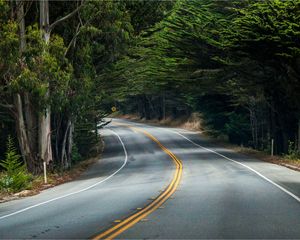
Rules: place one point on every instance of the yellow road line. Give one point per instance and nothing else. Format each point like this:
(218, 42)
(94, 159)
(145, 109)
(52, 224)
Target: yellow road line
(136, 217)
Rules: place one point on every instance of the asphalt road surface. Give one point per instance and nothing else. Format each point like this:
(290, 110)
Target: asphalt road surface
(155, 182)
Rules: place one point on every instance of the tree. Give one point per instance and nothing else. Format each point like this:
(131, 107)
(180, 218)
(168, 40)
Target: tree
(249, 69)
(16, 176)
(36, 67)
(268, 33)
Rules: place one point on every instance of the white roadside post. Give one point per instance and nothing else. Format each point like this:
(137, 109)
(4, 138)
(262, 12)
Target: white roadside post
(272, 147)
(45, 172)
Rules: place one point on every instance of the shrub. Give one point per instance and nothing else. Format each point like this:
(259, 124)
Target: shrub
(293, 153)
(76, 157)
(238, 129)
(15, 177)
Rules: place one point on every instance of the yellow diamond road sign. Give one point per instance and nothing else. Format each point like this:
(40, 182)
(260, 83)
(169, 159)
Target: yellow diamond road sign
(114, 109)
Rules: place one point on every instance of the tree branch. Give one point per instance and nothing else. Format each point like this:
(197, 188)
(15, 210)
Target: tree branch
(51, 27)
(6, 105)
(78, 30)
(10, 108)
(73, 39)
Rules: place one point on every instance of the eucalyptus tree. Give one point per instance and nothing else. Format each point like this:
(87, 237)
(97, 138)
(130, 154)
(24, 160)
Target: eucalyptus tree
(36, 75)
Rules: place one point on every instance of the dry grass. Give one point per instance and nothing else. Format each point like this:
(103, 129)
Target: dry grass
(192, 122)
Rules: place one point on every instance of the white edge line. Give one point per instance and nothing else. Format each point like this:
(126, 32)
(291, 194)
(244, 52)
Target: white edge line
(79, 191)
(251, 169)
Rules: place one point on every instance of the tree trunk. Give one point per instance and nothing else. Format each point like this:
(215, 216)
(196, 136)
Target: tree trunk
(23, 116)
(57, 137)
(22, 135)
(63, 157)
(151, 108)
(252, 125)
(31, 122)
(298, 145)
(140, 107)
(164, 105)
(284, 144)
(273, 128)
(145, 107)
(70, 144)
(45, 149)
(21, 21)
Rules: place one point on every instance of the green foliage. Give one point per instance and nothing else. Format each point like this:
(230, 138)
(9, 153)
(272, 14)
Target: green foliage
(15, 177)
(267, 32)
(145, 14)
(42, 67)
(271, 28)
(9, 53)
(85, 136)
(237, 128)
(3, 9)
(76, 157)
(231, 60)
(293, 152)
(236, 62)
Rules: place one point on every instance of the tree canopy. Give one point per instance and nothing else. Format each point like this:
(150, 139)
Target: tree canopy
(63, 65)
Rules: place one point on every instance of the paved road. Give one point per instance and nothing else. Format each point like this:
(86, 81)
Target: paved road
(221, 194)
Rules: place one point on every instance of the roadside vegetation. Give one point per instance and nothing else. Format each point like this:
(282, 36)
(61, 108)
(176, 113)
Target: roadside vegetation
(16, 181)
(52, 59)
(64, 65)
(15, 176)
(236, 63)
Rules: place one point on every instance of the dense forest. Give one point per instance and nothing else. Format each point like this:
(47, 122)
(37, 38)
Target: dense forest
(235, 62)
(64, 64)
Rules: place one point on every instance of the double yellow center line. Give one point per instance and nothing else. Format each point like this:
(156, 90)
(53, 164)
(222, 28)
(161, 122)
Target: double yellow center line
(128, 222)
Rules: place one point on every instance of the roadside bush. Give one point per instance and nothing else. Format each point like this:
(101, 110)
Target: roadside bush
(237, 128)
(293, 153)
(15, 177)
(76, 157)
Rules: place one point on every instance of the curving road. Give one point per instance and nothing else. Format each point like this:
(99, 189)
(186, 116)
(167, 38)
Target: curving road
(154, 182)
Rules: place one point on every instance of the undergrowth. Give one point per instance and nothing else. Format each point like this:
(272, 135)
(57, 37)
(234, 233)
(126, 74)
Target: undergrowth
(15, 176)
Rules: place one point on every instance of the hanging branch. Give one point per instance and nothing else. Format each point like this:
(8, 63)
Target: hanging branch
(51, 27)
(6, 105)
(73, 39)
(78, 30)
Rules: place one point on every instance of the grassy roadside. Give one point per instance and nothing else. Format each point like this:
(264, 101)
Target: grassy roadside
(194, 124)
(55, 178)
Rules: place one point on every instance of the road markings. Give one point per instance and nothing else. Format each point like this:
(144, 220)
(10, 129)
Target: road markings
(244, 165)
(116, 230)
(79, 191)
(297, 198)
